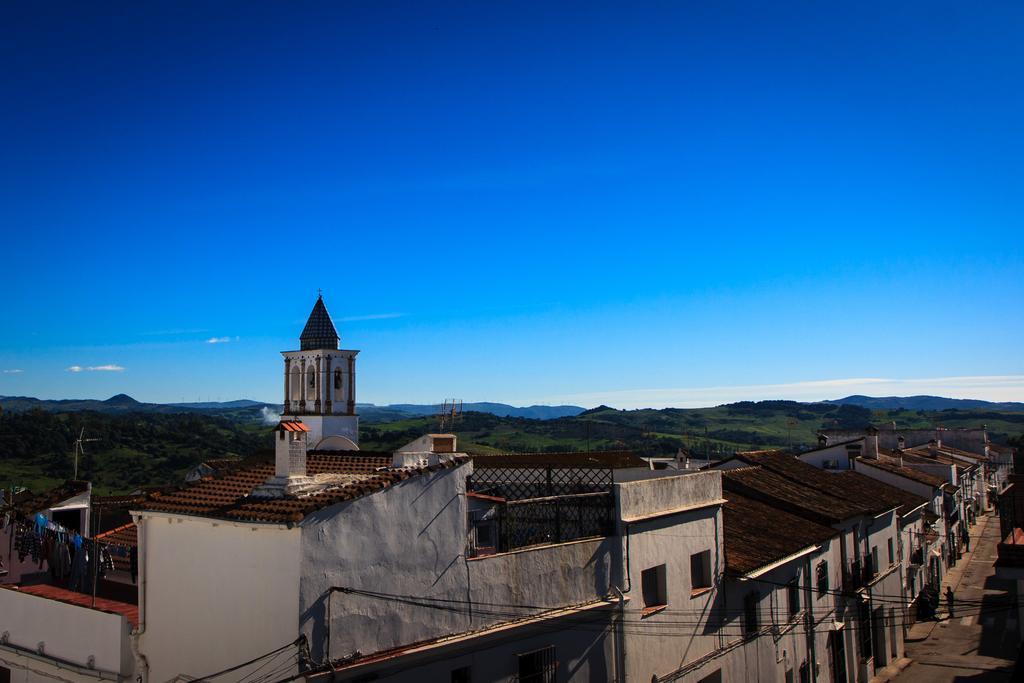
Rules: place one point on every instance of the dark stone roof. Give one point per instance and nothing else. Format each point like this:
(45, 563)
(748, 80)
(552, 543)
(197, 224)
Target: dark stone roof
(906, 472)
(319, 332)
(788, 495)
(757, 534)
(850, 491)
(791, 467)
(862, 486)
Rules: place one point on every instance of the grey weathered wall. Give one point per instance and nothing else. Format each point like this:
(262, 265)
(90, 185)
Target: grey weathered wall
(411, 540)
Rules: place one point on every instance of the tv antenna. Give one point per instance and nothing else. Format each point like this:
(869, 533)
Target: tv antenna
(790, 423)
(451, 410)
(79, 449)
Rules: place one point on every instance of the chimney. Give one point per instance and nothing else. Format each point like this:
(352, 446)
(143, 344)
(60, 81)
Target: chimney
(290, 444)
(871, 443)
(290, 449)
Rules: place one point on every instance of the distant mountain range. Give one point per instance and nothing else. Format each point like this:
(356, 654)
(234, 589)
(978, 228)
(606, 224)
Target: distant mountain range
(122, 403)
(925, 403)
(534, 412)
(249, 410)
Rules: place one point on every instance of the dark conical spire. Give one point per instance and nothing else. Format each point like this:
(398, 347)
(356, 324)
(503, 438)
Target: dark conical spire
(319, 332)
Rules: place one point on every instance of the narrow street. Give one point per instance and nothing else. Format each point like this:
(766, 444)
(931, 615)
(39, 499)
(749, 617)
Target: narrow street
(979, 643)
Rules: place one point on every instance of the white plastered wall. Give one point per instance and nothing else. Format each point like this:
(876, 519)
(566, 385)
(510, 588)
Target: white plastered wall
(216, 593)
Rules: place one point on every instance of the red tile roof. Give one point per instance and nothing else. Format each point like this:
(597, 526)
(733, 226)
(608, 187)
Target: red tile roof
(291, 426)
(227, 495)
(130, 612)
(757, 534)
(123, 535)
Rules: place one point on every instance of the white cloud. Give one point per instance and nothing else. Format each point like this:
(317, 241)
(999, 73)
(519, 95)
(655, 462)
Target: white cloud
(986, 387)
(270, 417)
(106, 368)
(220, 340)
(96, 368)
(371, 316)
(13, 371)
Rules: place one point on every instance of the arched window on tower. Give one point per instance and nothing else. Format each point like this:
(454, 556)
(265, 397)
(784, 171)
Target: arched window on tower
(339, 379)
(310, 384)
(295, 384)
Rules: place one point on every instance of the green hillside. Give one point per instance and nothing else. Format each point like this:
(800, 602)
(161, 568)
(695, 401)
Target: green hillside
(715, 431)
(144, 449)
(130, 450)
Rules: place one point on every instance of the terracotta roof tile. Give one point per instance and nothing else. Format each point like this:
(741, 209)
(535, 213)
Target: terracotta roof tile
(227, 495)
(123, 535)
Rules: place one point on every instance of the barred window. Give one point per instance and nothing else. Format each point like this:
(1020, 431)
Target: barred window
(538, 666)
(822, 578)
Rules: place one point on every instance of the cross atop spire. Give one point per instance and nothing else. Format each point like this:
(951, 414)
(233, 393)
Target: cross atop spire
(319, 332)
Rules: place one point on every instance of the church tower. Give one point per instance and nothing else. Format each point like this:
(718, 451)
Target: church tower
(320, 384)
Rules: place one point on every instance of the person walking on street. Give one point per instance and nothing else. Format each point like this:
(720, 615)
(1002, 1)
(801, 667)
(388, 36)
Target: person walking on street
(967, 542)
(949, 600)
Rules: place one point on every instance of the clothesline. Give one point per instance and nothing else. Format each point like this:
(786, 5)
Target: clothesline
(68, 555)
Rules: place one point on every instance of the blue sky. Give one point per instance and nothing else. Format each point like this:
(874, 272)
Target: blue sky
(660, 203)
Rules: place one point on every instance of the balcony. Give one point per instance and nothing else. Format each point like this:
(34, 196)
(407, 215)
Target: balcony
(856, 576)
(519, 507)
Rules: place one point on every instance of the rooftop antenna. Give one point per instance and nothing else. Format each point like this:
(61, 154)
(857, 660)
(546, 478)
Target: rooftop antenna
(79, 449)
(790, 423)
(451, 410)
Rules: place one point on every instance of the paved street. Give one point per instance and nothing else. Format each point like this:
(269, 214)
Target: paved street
(978, 644)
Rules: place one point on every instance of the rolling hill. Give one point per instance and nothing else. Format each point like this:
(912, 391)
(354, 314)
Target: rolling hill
(925, 403)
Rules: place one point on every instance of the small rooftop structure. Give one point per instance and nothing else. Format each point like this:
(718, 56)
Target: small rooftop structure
(426, 450)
